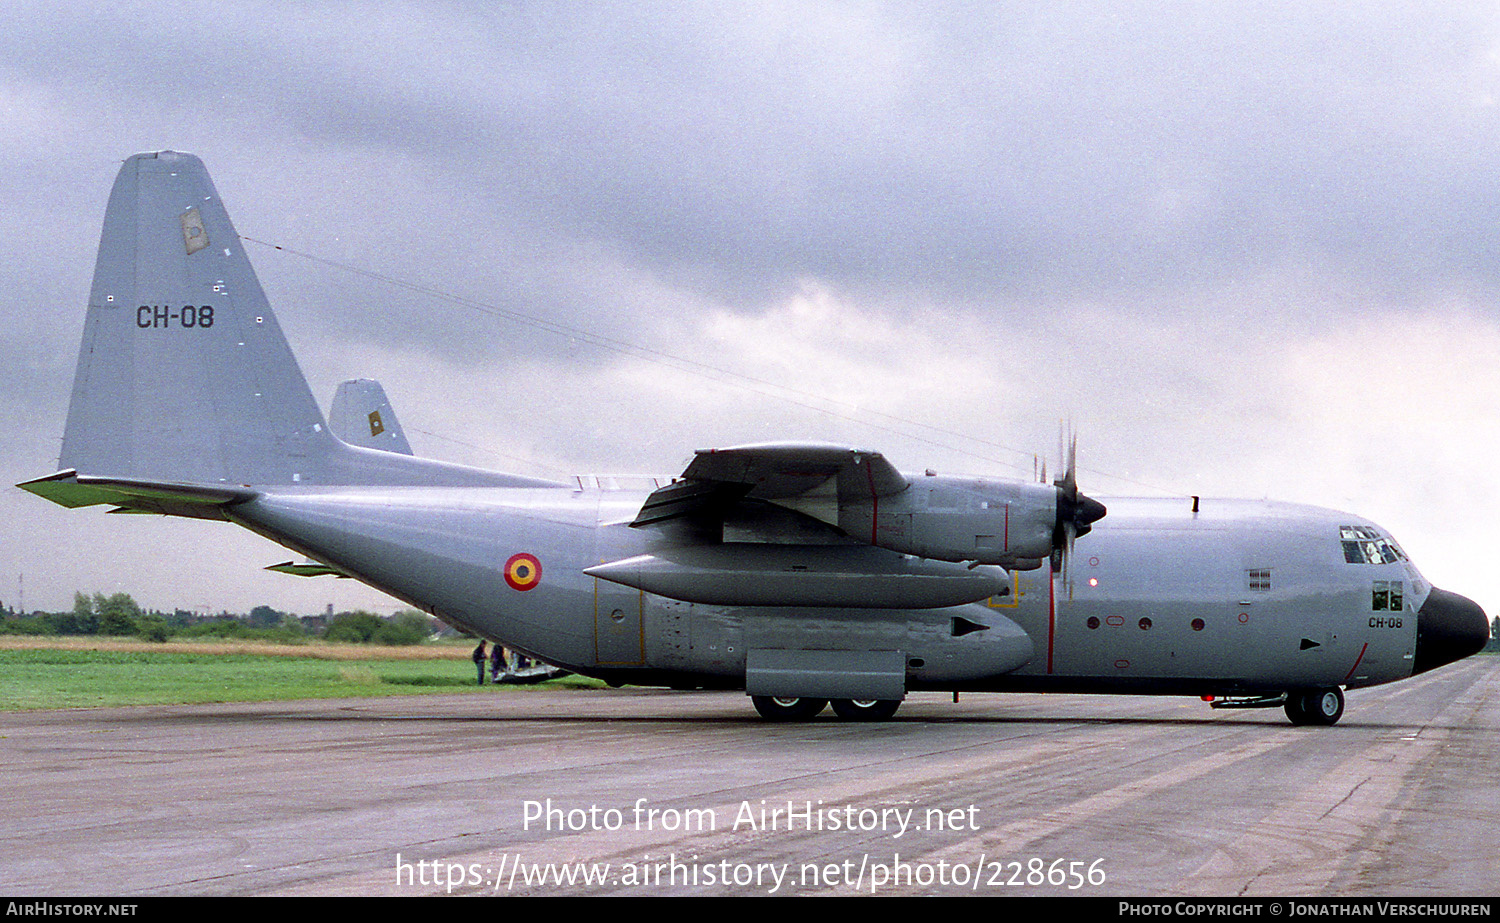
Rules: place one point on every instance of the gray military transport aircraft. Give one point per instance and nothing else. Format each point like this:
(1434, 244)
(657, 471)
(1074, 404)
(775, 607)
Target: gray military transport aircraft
(801, 573)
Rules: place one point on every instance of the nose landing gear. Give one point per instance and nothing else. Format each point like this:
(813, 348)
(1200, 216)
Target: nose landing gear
(1322, 707)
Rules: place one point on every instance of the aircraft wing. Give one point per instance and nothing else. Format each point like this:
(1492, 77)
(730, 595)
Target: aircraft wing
(767, 526)
(797, 475)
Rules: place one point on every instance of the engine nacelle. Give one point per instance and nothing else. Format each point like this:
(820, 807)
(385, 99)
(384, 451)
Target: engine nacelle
(1009, 523)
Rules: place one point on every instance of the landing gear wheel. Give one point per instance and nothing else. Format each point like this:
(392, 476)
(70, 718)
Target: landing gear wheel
(1322, 707)
(865, 709)
(1325, 706)
(773, 708)
(1295, 711)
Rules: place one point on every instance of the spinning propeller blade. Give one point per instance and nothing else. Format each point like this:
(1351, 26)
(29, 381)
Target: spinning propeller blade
(1076, 513)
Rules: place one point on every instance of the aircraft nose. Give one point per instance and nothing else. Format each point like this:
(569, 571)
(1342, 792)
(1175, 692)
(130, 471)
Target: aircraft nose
(1449, 627)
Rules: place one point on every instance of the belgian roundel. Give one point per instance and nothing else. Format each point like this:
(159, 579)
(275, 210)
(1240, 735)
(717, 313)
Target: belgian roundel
(523, 571)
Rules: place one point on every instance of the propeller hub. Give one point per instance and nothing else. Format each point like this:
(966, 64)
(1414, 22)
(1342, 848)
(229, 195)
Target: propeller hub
(1078, 511)
(1086, 512)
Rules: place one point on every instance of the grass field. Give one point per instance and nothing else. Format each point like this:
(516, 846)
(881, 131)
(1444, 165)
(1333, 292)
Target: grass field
(93, 672)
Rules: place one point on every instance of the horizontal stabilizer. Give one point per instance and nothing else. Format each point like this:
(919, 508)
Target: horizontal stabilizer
(307, 569)
(69, 489)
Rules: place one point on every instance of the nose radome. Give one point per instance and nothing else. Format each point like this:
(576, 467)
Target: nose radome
(1449, 627)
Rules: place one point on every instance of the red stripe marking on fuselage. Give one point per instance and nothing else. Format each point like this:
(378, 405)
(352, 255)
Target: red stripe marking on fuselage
(1357, 660)
(1051, 614)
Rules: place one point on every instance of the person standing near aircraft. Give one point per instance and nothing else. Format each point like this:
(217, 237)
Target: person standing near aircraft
(479, 659)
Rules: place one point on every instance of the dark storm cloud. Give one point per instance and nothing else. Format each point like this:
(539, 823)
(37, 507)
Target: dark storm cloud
(612, 167)
(616, 169)
(969, 150)
(986, 149)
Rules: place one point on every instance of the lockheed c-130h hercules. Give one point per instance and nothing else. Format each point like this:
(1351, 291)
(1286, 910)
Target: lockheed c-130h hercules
(801, 573)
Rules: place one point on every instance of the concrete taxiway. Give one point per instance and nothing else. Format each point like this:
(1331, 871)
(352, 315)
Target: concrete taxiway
(653, 792)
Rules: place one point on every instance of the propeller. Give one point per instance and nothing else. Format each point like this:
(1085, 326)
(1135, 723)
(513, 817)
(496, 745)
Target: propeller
(1076, 513)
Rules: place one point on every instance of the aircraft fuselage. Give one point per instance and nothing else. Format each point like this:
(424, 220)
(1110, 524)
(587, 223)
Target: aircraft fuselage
(1240, 597)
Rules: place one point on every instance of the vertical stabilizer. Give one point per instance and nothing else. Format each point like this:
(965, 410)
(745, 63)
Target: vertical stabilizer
(361, 415)
(184, 374)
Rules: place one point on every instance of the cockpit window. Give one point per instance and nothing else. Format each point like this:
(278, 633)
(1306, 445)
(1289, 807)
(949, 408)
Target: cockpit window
(1386, 596)
(1364, 545)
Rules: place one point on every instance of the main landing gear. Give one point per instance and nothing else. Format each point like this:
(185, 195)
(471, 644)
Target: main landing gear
(773, 708)
(865, 709)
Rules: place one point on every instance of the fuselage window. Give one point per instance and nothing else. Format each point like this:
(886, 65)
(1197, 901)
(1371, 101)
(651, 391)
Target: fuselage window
(1387, 596)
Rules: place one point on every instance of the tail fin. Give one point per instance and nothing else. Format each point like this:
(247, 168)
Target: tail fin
(184, 376)
(361, 415)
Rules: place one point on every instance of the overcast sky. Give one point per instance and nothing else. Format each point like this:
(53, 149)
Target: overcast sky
(1248, 249)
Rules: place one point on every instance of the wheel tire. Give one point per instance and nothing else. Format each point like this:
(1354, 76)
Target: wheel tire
(773, 708)
(1319, 707)
(865, 709)
(1296, 708)
(1325, 706)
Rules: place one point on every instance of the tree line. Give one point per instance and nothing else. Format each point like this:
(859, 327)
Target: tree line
(119, 615)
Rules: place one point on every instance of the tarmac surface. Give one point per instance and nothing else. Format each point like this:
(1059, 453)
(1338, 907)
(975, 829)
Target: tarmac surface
(530, 791)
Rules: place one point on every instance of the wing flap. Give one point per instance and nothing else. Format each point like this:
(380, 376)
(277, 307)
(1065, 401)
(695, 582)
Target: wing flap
(687, 498)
